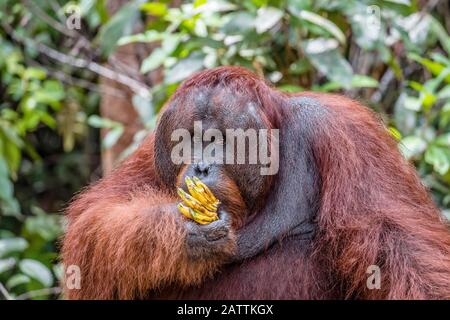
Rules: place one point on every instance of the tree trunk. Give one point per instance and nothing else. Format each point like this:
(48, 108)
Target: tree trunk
(117, 105)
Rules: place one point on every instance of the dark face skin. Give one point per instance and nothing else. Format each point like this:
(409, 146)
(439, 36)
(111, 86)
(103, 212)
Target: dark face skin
(240, 187)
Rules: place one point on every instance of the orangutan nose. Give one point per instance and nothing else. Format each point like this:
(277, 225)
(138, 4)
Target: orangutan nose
(202, 168)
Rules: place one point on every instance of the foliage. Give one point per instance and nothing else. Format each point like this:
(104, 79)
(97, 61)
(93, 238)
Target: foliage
(423, 115)
(391, 54)
(40, 164)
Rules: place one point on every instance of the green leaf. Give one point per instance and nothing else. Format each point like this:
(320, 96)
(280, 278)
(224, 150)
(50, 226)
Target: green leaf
(239, 23)
(85, 6)
(12, 245)
(148, 37)
(412, 146)
(295, 6)
(299, 67)
(58, 270)
(157, 9)
(428, 100)
(267, 17)
(8, 203)
(326, 24)
(17, 280)
(51, 93)
(3, 165)
(47, 119)
(171, 42)
(444, 115)
(213, 6)
(34, 73)
(436, 56)
(37, 270)
(395, 133)
(13, 155)
(119, 25)
(416, 85)
(443, 140)
(112, 137)
(159, 55)
(414, 30)
(433, 84)
(444, 93)
(198, 3)
(45, 225)
(154, 60)
(412, 103)
(358, 81)
(29, 103)
(11, 135)
(441, 33)
(324, 56)
(439, 158)
(7, 264)
(434, 67)
(144, 108)
(367, 27)
(184, 68)
(362, 81)
(99, 122)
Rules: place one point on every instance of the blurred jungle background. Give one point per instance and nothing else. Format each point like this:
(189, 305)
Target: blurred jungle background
(81, 83)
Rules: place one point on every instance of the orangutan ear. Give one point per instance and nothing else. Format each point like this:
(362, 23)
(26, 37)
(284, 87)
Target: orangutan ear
(293, 201)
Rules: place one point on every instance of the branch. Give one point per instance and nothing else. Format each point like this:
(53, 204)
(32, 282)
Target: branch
(385, 80)
(78, 82)
(4, 293)
(81, 40)
(39, 293)
(35, 9)
(137, 87)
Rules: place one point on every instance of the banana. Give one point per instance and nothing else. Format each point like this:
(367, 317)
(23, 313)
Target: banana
(186, 211)
(201, 204)
(194, 203)
(204, 219)
(195, 215)
(203, 187)
(198, 194)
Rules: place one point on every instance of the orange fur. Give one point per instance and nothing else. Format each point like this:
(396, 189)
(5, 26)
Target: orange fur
(375, 210)
(128, 238)
(129, 241)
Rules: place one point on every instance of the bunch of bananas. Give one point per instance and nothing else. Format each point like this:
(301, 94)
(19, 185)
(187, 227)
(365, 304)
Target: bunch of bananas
(201, 204)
